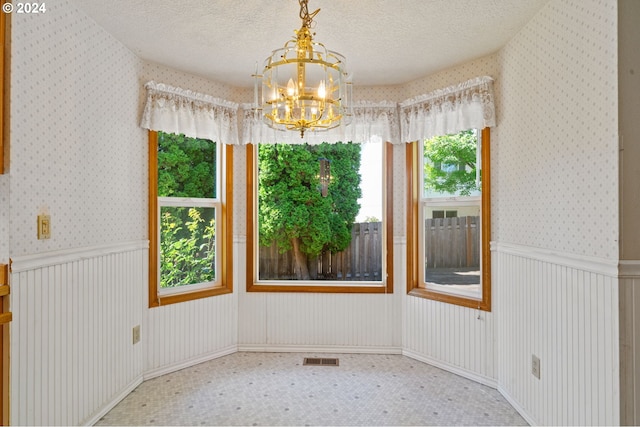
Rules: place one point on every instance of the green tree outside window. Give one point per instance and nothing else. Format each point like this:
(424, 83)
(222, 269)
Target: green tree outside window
(293, 211)
(450, 163)
(186, 168)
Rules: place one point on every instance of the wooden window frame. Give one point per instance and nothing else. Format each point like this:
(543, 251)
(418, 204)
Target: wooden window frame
(386, 287)
(226, 197)
(415, 287)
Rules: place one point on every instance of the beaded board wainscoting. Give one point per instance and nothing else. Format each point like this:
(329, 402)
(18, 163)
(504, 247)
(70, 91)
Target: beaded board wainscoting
(276, 389)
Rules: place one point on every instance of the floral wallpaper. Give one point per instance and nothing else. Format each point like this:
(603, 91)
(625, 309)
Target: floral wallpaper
(76, 147)
(556, 154)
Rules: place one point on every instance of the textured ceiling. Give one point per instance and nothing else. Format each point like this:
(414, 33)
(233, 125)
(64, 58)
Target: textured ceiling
(386, 42)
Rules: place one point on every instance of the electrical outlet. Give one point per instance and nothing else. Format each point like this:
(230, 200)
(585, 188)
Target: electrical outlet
(136, 334)
(535, 366)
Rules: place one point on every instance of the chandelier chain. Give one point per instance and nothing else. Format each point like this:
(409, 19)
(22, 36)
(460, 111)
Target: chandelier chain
(307, 18)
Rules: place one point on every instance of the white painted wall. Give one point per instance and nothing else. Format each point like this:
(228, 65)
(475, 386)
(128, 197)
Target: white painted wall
(554, 193)
(180, 335)
(319, 322)
(455, 338)
(556, 199)
(561, 308)
(72, 353)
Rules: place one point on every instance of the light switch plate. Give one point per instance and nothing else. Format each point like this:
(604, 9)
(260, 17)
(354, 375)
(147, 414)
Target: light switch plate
(44, 227)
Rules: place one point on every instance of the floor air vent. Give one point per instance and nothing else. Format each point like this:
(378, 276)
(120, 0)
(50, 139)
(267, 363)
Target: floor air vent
(318, 361)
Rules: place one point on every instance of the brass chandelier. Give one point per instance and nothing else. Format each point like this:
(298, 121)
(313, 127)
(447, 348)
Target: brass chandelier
(303, 85)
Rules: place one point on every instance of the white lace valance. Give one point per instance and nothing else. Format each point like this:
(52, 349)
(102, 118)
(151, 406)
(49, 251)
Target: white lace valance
(371, 122)
(450, 110)
(464, 106)
(175, 110)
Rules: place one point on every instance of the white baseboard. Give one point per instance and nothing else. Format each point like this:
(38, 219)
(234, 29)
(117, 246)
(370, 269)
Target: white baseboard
(517, 407)
(110, 405)
(167, 369)
(317, 349)
(490, 382)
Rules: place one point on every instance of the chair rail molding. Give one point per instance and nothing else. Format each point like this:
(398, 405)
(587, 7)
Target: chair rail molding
(46, 259)
(607, 267)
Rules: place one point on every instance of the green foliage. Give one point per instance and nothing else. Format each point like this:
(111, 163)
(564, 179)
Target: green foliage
(290, 202)
(186, 168)
(450, 163)
(188, 259)
(371, 219)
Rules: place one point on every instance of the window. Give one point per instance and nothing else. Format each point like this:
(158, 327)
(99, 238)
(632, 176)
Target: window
(189, 218)
(318, 218)
(449, 219)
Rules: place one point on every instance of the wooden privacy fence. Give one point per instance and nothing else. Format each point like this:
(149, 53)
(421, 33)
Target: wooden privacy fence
(361, 261)
(452, 242)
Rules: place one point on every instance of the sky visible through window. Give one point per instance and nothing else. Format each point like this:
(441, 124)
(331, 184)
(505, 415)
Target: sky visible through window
(371, 182)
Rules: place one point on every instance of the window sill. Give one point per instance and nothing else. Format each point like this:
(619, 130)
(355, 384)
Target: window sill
(480, 304)
(321, 288)
(188, 296)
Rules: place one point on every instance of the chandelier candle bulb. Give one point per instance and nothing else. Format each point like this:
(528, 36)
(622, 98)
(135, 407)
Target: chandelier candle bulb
(291, 88)
(321, 89)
